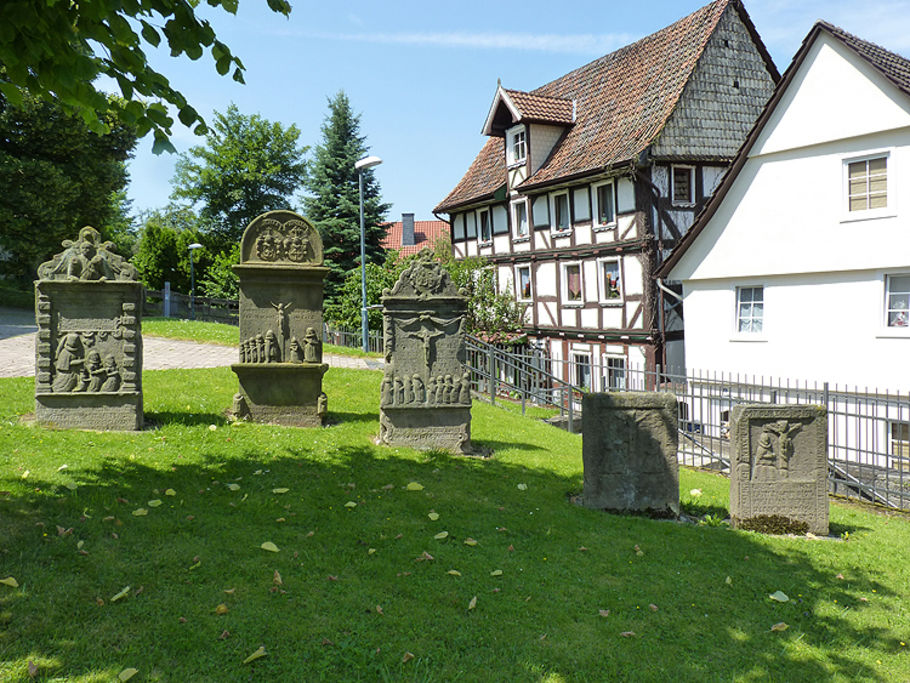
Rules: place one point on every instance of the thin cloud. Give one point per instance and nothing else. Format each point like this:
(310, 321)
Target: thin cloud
(568, 44)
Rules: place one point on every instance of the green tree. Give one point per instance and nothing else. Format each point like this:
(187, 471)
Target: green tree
(333, 202)
(248, 166)
(346, 308)
(163, 255)
(220, 280)
(56, 176)
(57, 51)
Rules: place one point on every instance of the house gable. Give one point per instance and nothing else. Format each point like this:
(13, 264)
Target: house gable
(730, 85)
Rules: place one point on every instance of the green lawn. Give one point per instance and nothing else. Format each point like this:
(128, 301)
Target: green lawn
(220, 333)
(352, 593)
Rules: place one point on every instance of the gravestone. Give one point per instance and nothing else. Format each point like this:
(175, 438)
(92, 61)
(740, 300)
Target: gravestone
(629, 443)
(281, 369)
(425, 399)
(779, 469)
(88, 350)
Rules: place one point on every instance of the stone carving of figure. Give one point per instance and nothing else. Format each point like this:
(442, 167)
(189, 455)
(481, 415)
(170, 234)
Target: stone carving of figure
(311, 346)
(322, 405)
(464, 393)
(93, 372)
(420, 394)
(242, 350)
(239, 408)
(68, 362)
(784, 432)
(112, 375)
(431, 390)
(385, 395)
(295, 353)
(284, 328)
(440, 390)
(399, 392)
(426, 336)
(765, 458)
(408, 391)
(449, 388)
(273, 350)
(260, 349)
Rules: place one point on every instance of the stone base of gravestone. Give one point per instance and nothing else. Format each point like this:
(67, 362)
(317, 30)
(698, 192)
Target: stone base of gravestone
(288, 394)
(779, 470)
(446, 428)
(103, 411)
(629, 443)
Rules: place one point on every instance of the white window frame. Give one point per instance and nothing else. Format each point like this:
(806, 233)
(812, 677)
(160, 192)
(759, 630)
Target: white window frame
(564, 283)
(690, 170)
(554, 226)
(519, 295)
(480, 238)
(742, 335)
(577, 358)
(601, 283)
(889, 330)
(512, 136)
(606, 368)
(595, 196)
(899, 449)
(516, 232)
(890, 183)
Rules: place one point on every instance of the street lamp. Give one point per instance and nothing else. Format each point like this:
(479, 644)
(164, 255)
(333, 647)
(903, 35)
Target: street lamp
(361, 166)
(193, 247)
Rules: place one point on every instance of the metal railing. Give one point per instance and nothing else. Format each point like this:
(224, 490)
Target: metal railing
(170, 304)
(868, 431)
(350, 337)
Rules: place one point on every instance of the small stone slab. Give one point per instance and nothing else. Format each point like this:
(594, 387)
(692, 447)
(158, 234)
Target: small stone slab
(779, 470)
(629, 443)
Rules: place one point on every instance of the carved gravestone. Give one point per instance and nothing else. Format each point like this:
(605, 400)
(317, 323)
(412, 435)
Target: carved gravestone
(281, 368)
(88, 350)
(779, 469)
(425, 400)
(629, 443)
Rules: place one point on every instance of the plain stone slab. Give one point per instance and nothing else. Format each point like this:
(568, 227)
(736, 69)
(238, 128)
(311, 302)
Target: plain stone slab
(629, 443)
(779, 468)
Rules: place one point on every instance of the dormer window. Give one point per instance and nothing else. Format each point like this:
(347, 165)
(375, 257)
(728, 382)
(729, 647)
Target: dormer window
(517, 145)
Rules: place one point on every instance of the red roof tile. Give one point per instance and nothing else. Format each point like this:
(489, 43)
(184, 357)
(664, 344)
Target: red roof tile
(622, 102)
(541, 108)
(425, 235)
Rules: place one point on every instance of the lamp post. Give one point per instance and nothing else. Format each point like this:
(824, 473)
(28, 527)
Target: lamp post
(193, 247)
(361, 166)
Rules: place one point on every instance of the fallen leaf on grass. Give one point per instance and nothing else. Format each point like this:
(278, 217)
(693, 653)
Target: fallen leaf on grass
(388, 487)
(603, 612)
(233, 487)
(271, 547)
(32, 669)
(25, 474)
(281, 519)
(371, 551)
(170, 492)
(695, 493)
(182, 620)
(379, 610)
(224, 635)
(72, 486)
(582, 548)
(424, 556)
(779, 596)
(638, 551)
(454, 572)
(473, 603)
(407, 658)
(310, 534)
(728, 581)
(221, 609)
(280, 490)
(862, 599)
(276, 579)
(441, 535)
(780, 626)
(122, 594)
(140, 512)
(414, 486)
(470, 541)
(154, 503)
(258, 654)
(496, 572)
(653, 607)
(350, 504)
(839, 576)
(127, 674)
(433, 515)
(332, 577)
(522, 487)
(229, 591)
(63, 467)
(628, 634)
(64, 532)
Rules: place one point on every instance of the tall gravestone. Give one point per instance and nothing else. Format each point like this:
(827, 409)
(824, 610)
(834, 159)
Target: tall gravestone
(281, 277)
(88, 350)
(779, 469)
(425, 400)
(629, 443)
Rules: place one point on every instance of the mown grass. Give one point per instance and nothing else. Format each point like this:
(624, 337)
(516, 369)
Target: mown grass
(354, 596)
(220, 333)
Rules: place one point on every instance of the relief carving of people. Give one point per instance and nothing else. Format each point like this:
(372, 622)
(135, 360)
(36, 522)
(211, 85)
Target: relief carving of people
(112, 375)
(295, 353)
(311, 352)
(87, 258)
(68, 363)
(774, 450)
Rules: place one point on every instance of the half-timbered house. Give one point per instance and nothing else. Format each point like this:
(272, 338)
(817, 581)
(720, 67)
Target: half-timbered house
(587, 182)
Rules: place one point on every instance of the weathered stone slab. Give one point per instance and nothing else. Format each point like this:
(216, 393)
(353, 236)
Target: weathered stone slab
(629, 443)
(88, 350)
(779, 471)
(281, 280)
(425, 399)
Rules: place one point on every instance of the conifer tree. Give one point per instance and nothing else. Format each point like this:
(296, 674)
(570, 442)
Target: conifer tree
(333, 204)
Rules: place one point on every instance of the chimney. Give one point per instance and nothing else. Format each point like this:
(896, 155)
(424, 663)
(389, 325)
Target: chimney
(407, 229)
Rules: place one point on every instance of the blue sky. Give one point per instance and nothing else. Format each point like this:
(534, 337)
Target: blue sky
(422, 74)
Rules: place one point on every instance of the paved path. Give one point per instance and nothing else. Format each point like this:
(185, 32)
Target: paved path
(17, 350)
